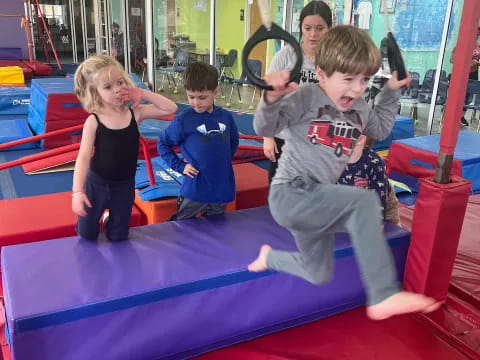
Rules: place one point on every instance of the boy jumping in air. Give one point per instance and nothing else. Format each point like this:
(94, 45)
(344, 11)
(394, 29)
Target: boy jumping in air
(320, 124)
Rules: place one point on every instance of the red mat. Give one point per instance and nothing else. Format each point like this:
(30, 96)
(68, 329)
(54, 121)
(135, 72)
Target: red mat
(27, 71)
(349, 336)
(459, 320)
(38, 67)
(466, 270)
(42, 217)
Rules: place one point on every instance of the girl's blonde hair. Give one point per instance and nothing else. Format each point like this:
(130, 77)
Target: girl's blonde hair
(348, 50)
(86, 80)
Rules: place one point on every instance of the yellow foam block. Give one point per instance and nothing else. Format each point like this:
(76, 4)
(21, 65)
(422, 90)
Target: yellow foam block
(11, 76)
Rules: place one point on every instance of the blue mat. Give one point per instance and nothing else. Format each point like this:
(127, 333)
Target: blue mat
(14, 100)
(467, 152)
(16, 128)
(403, 128)
(15, 184)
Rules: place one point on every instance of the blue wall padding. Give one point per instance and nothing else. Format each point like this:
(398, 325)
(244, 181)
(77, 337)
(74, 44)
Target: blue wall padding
(403, 128)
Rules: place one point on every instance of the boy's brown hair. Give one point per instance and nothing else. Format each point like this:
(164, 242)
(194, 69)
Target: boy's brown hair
(348, 50)
(200, 76)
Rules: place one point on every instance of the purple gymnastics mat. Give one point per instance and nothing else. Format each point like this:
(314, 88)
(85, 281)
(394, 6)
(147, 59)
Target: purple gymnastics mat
(175, 290)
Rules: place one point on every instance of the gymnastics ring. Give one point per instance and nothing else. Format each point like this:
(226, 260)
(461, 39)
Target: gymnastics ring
(275, 32)
(395, 59)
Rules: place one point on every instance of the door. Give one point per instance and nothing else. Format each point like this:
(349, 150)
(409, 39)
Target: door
(259, 52)
(101, 15)
(136, 35)
(51, 25)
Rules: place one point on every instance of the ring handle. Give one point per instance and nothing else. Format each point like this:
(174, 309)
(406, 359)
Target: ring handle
(395, 59)
(275, 32)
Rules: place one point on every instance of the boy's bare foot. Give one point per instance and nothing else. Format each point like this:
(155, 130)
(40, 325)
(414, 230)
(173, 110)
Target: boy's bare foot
(402, 302)
(260, 263)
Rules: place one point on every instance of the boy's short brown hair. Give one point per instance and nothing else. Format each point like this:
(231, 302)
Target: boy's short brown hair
(348, 50)
(200, 76)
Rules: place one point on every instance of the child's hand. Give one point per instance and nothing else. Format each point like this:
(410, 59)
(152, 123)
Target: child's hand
(190, 171)
(78, 204)
(279, 80)
(130, 93)
(270, 149)
(396, 84)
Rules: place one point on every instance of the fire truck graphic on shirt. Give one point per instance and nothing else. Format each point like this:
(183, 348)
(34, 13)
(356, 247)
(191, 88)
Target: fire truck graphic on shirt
(337, 130)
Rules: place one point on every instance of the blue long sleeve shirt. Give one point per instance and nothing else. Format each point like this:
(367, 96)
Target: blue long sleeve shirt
(207, 142)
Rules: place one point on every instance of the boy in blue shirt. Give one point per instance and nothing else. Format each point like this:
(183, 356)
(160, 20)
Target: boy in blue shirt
(208, 137)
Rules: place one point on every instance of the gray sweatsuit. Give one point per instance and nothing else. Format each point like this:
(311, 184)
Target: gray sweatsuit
(304, 197)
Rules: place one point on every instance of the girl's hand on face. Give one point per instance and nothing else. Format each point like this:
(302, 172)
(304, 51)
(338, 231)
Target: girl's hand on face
(396, 84)
(131, 93)
(279, 80)
(190, 171)
(78, 204)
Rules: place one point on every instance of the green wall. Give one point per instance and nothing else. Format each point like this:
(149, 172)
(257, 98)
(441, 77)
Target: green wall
(230, 30)
(194, 22)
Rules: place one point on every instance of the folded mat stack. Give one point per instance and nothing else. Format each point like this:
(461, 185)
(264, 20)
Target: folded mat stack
(174, 290)
(54, 106)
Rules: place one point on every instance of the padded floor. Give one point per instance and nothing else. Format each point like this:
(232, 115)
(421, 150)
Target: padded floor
(346, 336)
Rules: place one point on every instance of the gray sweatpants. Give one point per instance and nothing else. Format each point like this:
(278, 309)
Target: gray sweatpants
(313, 212)
(188, 209)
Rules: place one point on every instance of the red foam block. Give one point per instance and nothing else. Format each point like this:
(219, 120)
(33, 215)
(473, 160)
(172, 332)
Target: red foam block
(439, 213)
(412, 161)
(42, 217)
(251, 185)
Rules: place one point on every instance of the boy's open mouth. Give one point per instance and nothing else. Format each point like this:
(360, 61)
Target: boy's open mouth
(346, 101)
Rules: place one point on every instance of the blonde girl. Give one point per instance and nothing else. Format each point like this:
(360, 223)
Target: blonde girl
(104, 175)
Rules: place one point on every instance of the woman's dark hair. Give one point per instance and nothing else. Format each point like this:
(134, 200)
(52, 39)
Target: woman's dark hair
(316, 8)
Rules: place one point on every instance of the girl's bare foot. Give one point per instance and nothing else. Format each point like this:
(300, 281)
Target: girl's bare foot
(402, 302)
(260, 263)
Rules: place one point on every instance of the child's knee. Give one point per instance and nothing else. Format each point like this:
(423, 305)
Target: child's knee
(368, 198)
(90, 235)
(320, 274)
(117, 238)
(115, 235)
(320, 278)
(285, 218)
